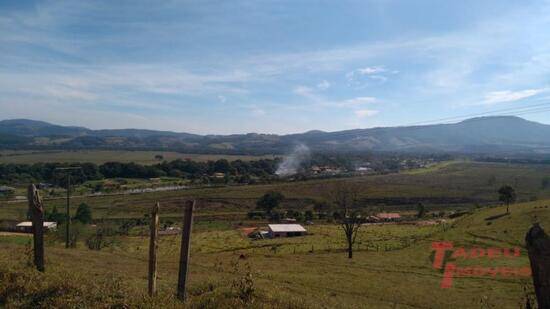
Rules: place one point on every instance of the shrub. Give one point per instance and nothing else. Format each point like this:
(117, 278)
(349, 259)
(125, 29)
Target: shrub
(83, 214)
(243, 285)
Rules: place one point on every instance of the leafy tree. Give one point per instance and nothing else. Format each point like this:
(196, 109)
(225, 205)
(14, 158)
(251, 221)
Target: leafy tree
(83, 214)
(55, 216)
(270, 201)
(507, 195)
(421, 210)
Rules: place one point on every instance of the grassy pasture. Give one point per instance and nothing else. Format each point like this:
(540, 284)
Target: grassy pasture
(456, 185)
(401, 277)
(391, 268)
(102, 156)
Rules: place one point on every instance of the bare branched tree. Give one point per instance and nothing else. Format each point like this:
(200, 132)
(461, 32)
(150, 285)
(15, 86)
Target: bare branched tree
(345, 198)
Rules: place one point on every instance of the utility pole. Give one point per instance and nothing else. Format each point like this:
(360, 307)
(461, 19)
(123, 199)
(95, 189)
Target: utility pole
(68, 214)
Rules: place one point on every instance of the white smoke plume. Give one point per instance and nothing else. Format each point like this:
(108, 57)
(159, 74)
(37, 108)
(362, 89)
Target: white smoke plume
(291, 164)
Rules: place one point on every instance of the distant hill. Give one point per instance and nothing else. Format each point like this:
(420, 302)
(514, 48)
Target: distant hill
(33, 128)
(502, 134)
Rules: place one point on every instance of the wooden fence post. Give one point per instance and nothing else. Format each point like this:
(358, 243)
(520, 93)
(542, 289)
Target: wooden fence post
(538, 247)
(153, 249)
(37, 212)
(185, 249)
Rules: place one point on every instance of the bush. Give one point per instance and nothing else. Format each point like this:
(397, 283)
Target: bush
(83, 214)
(308, 215)
(270, 201)
(256, 214)
(243, 285)
(77, 231)
(102, 238)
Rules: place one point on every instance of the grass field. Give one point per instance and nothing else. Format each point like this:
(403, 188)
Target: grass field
(392, 266)
(456, 185)
(102, 156)
(397, 276)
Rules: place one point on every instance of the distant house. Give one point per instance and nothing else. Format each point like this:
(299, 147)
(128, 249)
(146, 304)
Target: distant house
(372, 219)
(6, 190)
(44, 185)
(389, 216)
(286, 230)
(288, 220)
(172, 230)
(26, 226)
(218, 175)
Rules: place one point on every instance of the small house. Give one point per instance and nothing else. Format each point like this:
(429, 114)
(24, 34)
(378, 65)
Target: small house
(218, 175)
(6, 191)
(389, 216)
(372, 219)
(286, 230)
(44, 185)
(26, 226)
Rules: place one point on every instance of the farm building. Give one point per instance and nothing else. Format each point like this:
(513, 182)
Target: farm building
(389, 216)
(6, 191)
(26, 226)
(286, 230)
(372, 219)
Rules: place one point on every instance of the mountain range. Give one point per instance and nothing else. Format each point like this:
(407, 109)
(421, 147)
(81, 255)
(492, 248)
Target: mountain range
(496, 134)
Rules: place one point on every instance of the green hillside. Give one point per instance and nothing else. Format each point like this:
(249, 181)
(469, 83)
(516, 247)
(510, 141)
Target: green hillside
(392, 269)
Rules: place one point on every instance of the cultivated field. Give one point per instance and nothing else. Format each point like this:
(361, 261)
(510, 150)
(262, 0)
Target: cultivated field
(102, 156)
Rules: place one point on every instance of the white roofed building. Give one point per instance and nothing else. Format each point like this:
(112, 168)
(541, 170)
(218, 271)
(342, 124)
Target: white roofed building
(26, 226)
(286, 230)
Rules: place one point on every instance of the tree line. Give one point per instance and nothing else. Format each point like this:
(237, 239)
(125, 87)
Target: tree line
(47, 173)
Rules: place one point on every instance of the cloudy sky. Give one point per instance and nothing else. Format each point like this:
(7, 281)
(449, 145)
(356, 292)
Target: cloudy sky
(271, 66)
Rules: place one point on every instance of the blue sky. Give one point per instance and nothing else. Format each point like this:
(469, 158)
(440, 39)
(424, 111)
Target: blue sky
(270, 66)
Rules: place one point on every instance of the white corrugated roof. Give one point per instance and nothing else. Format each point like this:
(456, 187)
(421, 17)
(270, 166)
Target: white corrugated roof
(29, 224)
(286, 228)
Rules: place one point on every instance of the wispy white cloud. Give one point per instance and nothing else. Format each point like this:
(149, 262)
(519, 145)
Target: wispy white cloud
(324, 85)
(504, 96)
(371, 70)
(362, 113)
(303, 91)
(363, 76)
(358, 101)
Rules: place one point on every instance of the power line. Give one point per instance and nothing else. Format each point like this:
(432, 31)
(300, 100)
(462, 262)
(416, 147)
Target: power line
(511, 110)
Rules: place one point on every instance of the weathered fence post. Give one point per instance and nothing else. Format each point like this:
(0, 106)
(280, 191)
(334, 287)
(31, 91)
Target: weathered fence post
(37, 212)
(185, 248)
(538, 247)
(153, 248)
